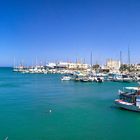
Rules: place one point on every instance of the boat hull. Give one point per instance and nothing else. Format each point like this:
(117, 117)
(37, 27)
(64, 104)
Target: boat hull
(127, 106)
(66, 78)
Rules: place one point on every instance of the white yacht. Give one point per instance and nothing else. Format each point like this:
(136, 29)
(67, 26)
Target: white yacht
(66, 78)
(122, 78)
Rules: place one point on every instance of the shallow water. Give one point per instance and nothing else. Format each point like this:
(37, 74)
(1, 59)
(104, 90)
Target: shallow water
(79, 111)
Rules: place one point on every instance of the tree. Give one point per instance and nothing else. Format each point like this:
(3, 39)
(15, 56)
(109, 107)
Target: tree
(96, 66)
(124, 67)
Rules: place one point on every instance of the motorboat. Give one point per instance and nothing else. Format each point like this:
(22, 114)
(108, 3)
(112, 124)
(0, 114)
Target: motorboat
(66, 78)
(129, 98)
(122, 78)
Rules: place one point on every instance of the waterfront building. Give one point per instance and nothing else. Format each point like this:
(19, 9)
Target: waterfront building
(72, 66)
(113, 65)
(63, 65)
(51, 65)
(136, 67)
(78, 66)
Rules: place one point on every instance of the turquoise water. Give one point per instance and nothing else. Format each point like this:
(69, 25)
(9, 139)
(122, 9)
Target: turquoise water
(79, 111)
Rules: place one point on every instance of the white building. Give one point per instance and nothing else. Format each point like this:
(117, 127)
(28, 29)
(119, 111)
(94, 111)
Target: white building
(136, 66)
(69, 65)
(113, 65)
(78, 66)
(51, 65)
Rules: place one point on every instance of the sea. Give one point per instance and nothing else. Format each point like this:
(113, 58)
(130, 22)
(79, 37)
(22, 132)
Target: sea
(42, 107)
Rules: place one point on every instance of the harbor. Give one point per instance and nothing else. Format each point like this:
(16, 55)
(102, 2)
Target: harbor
(69, 70)
(113, 70)
(41, 106)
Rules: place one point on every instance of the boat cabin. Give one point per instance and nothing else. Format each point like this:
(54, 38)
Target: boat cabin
(130, 95)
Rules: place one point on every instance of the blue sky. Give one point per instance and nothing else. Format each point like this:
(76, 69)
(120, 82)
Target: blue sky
(52, 30)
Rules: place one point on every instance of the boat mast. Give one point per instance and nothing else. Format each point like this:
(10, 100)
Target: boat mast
(91, 61)
(14, 63)
(36, 62)
(84, 61)
(129, 58)
(121, 58)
